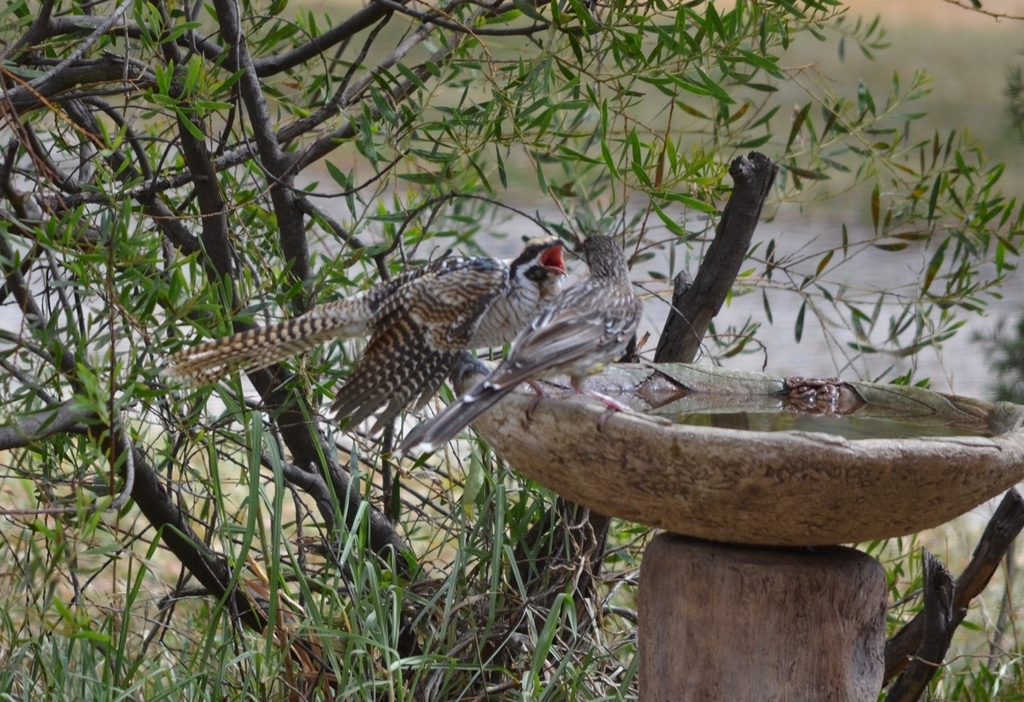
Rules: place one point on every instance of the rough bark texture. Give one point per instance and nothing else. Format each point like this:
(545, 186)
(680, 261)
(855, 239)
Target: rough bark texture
(752, 624)
(940, 618)
(697, 304)
(1002, 529)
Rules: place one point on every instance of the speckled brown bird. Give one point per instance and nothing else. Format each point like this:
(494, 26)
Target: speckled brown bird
(587, 326)
(419, 322)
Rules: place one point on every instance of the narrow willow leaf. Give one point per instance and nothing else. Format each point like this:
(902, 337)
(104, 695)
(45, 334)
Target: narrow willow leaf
(809, 175)
(798, 122)
(502, 175)
(798, 329)
(934, 265)
(767, 64)
(875, 206)
(542, 182)
(720, 93)
(528, 9)
(606, 154)
(670, 222)
(934, 199)
(823, 263)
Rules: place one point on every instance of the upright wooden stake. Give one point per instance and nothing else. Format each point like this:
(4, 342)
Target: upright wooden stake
(747, 624)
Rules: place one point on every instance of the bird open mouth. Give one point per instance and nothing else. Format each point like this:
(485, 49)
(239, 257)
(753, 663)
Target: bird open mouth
(552, 259)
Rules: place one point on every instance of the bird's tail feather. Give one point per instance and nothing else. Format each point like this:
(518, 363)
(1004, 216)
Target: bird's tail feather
(263, 346)
(432, 434)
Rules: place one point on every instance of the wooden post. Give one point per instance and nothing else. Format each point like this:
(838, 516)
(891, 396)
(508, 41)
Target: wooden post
(738, 623)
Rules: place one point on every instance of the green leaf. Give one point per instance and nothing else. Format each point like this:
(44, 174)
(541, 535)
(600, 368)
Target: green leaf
(691, 202)
(190, 127)
(502, 175)
(714, 88)
(875, 206)
(583, 13)
(474, 482)
(528, 9)
(798, 122)
(542, 182)
(420, 178)
(606, 154)
(934, 199)
(339, 177)
(411, 76)
(934, 265)
(823, 263)
(809, 175)
(798, 329)
(768, 65)
(670, 222)
(865, 103)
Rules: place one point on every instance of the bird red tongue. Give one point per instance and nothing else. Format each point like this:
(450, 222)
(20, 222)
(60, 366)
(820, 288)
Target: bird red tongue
(552, 258)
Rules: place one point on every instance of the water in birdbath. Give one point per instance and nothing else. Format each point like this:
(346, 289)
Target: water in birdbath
(853, 410)
(850, 426)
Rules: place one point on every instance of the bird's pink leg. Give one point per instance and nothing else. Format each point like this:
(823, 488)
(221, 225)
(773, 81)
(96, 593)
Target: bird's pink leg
(538, 391)
(610, 403)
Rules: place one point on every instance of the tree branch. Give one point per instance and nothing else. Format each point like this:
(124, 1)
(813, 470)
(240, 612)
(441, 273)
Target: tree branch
(89, 72)
(938, 620)
(153, 206)
(37, 32)
(695, 307)
(39, 84)
(360, 20)
(1002, 529)
(435, 17)
(290, 225)
(69, 417)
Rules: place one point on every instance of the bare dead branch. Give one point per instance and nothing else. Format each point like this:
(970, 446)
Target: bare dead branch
(693, 309)
(939, 615)
(1002, 529)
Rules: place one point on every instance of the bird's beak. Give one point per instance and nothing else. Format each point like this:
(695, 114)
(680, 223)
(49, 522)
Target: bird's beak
(552, 259)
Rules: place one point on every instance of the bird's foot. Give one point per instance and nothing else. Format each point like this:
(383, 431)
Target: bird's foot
(538, 392)
(611, 407)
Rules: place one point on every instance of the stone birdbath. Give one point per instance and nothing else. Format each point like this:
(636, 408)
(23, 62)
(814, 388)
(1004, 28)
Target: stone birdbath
(756, 479)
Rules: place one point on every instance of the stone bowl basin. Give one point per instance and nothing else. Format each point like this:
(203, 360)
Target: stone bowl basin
(944, 455)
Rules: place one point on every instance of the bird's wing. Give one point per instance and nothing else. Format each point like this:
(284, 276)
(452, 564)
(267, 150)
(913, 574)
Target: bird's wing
(567, 333)
(561, 336)
(419, 334)
(395, 368)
